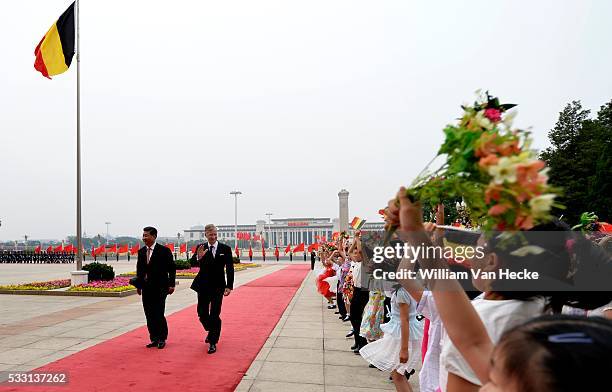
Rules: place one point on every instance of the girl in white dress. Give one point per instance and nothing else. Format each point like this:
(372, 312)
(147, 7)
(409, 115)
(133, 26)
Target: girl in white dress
(398, 351)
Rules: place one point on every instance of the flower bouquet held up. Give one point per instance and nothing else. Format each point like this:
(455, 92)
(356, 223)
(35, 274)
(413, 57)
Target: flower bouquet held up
(492, 167)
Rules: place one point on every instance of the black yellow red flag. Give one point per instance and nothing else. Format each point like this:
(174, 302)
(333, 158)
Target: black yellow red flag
(55, 51)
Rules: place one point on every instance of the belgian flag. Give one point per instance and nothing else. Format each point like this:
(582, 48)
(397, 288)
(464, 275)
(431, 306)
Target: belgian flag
(55, 51)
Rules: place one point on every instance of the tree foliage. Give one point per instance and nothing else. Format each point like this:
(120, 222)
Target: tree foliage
(580, 161)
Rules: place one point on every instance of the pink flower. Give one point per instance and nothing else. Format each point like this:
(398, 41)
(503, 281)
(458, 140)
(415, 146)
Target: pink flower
(493, 114)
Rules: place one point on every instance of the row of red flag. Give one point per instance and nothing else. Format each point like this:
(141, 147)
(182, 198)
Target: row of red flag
(125, 248)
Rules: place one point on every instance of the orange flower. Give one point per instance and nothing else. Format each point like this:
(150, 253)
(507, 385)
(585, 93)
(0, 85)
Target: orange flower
(489, 160)
(493, 192)
(486, 145)
(498, 209)
(529, 173)
(508, 148)
(523, 222)
(529, 178)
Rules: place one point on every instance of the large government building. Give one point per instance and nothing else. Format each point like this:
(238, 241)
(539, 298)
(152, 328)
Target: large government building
(287, 231)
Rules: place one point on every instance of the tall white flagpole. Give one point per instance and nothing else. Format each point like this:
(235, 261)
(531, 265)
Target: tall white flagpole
(79, 261)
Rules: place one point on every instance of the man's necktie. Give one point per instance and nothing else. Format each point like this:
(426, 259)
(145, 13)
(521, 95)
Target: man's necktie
(212, 251)
(149, 251)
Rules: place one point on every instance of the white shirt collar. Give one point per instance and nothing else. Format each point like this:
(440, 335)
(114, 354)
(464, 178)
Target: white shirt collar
(153, 246)
(216, 244)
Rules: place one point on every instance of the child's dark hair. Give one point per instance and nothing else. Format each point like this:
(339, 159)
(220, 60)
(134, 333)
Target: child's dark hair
(569, 267)
(557, 353)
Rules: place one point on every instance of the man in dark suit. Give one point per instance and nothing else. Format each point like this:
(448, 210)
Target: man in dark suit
(156, 269)
(215, 260)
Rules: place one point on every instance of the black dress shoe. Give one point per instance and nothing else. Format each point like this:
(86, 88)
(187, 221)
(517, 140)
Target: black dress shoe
(161, 344)
(356, 351)
(354, 346)
(348, 335)
(212, 349)
(152, 344)
(336, 312)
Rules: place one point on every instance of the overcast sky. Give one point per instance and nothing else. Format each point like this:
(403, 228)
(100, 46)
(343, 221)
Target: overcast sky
(288, 101)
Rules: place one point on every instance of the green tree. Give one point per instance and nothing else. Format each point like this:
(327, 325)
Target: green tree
(579, 159)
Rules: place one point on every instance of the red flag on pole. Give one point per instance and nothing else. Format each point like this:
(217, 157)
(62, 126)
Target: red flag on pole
(97, 251)
(288, 249)
(112, 249)
(194, 248)
(49, 249)
(299, 248)
(183, 248)
(171, 247)
(135, 249)
(250, 251)
(276, 252)
(237, 251)
(37, 249)
(313, 247)
(123, 248)
(58, 248)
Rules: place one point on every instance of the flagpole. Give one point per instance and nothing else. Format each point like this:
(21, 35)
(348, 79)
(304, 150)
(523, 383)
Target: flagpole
(79, 261)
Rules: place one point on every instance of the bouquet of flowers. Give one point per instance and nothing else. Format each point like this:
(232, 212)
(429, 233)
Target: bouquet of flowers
(492, 167)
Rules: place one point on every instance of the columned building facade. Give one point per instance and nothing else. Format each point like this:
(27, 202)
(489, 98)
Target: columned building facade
(279, 232)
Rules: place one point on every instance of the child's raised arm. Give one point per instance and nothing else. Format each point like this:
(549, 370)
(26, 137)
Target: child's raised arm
(462, 323)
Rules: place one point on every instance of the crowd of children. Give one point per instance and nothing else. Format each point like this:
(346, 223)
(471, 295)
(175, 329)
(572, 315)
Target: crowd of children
(484, 337)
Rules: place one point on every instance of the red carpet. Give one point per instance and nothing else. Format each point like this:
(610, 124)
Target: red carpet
(249, 315)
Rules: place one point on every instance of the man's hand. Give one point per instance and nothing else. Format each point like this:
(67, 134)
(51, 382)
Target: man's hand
(139, 291)
(227, 292)
(201, 252)
(170, 290)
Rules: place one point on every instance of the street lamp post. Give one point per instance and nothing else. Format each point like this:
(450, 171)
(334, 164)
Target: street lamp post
(235, 193)
(25, 243)
(178, 235)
